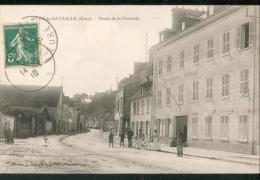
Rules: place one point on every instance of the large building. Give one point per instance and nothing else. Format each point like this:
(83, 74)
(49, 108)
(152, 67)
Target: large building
(206, 78)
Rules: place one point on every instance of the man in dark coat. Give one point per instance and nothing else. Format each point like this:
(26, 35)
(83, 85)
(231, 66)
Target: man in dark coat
(129, 137)
(122, 138)
(6, 133)
(180, 144)
(111, 139)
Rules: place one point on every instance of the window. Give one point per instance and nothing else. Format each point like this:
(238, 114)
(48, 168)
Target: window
(180, 93)
(159, 100)
(137, 107)
(195, 127)
(243, 128)
(195, 95)
(160, 67)
(168, 95)
(169, 64)
(210, 52)
(245, 35)
(181, 63)
(196, 54)
(224, 129)
(134, 108)
(118, 101)
(146, 127)
(208, 127)
(167, 127)
(148, 105)
(225, 85)
(226, 41)
(142, 106)
(209, 91)
(158, 126)
(244, 89)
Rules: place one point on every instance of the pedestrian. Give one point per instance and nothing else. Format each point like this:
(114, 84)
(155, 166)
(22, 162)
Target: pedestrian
(140, 139)
(6, 133)
(180, 144)
(111, 139)
(156, 142)
(129, 137)
(122, 138)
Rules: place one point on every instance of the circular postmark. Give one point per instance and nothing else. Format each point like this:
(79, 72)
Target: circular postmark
(32, 78)
(47, 33)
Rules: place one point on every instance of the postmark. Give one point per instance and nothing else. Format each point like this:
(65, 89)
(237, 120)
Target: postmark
(32, 78)
(21, 45)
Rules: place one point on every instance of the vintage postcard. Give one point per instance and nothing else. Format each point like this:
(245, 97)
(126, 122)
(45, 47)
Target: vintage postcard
(129, 89)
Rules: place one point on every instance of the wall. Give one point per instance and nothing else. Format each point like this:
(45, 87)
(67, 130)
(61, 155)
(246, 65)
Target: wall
(231, 63)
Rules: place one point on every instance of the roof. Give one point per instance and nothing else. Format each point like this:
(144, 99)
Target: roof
(47, 96)
(200, 24)
(138, 95)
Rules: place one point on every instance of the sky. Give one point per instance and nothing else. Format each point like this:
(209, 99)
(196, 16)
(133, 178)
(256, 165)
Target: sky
(94, 52)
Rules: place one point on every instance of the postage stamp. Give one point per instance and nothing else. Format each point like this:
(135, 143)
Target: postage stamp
(22, 45)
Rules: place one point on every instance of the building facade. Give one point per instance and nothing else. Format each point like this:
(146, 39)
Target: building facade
(141, 104)
(206, 80)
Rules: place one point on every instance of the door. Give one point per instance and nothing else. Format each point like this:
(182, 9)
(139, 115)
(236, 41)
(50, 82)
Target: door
(181, 126)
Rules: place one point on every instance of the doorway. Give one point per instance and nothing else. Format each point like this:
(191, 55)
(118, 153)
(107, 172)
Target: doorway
(181, 124)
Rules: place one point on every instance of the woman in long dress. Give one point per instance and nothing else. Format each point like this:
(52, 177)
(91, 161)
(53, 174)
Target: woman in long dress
(140, 139)
(156, 144)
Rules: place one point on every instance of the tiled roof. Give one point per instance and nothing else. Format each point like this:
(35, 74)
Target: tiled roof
(47, 96)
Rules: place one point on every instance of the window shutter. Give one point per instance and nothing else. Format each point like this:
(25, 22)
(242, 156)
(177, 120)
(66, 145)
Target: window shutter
(241, 81)
(238, 37)
(251, 33)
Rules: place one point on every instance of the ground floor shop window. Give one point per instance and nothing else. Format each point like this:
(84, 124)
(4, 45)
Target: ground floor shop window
(243, 128)
(208, 127)
(224, 128)
(195, 127)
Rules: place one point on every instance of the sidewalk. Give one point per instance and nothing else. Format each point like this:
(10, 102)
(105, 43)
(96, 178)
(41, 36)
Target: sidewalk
(205, 153)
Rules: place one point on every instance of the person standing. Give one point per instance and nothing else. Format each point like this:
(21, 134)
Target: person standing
(6, 133)
(156, 144)
(140, 139)
(111, 139)
(180, 144)
(122, 138)
(129, 137)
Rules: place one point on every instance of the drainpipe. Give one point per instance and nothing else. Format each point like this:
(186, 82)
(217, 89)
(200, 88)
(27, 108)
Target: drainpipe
(153, 109)
(255, 49)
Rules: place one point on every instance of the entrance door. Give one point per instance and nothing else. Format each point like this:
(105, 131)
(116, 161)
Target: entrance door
(181, 125)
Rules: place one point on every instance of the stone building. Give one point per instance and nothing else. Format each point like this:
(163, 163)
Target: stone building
(126, 89)
(206, 78)
(141, 104)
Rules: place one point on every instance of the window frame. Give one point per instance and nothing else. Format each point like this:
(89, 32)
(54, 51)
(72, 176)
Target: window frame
(181, 60)
(196, 54)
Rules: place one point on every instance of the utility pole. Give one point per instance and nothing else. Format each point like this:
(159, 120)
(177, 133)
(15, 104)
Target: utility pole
(146, 38)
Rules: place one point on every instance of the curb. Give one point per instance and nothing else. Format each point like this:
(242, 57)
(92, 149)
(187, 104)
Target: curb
(212, 158)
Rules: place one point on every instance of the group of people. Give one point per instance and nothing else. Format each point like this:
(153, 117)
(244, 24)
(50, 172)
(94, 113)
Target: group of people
(8, 134)
(122, 138)
(141, 137)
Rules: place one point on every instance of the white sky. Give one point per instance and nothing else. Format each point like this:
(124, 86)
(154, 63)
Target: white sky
(91, 54)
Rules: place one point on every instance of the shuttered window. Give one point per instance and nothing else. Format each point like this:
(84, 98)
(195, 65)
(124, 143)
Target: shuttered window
(244, 88)
(245, 35)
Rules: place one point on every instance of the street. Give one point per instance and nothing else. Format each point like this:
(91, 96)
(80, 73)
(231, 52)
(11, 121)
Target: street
(89, 153)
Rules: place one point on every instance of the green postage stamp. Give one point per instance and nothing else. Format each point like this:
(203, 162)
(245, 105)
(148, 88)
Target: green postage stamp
(21, 45)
